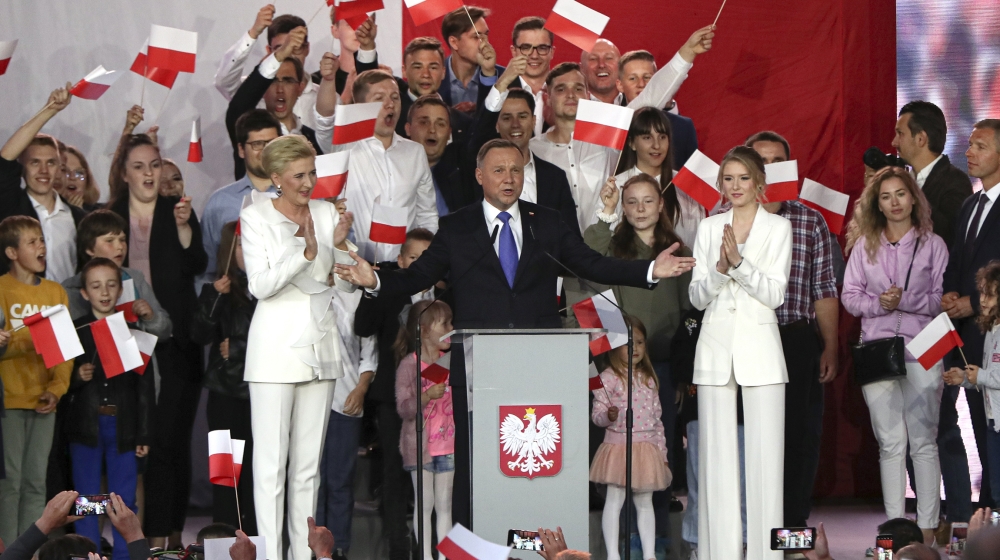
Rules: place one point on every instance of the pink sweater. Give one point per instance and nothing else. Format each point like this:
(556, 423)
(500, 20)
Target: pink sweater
(438, 416)
(646, 411)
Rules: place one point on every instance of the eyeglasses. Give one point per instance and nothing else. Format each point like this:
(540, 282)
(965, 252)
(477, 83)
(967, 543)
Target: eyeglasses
(257, 145)
(287, 82)
(542, 49)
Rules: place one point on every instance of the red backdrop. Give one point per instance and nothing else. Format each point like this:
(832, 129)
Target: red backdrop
(823, 74)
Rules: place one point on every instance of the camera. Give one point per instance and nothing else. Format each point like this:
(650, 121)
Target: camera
(875, 159)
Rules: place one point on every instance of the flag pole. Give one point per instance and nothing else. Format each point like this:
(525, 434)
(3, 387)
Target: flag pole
(142, 91)
(470, 19)
(162, 105)
(316, 13)
(232, 249)
(719, 14)
(239, 516)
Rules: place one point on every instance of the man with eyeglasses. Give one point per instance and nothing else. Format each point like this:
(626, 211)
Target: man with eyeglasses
(253, 130)
(532, 41)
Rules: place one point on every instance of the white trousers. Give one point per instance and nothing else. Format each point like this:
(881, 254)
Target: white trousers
(906, 411)
(720, 527)
(289, 427)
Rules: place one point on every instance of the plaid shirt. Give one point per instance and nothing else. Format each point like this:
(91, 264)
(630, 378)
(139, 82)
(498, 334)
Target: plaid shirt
(811, 277)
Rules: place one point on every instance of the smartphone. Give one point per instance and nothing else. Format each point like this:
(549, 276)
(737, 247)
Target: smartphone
(95, 504)
(524, 540)
(793, 538)
(883, 547)
(959, 534)
(995, 518)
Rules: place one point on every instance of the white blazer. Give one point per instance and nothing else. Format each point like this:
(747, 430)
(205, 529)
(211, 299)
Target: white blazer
(739, 334)
(293, 335)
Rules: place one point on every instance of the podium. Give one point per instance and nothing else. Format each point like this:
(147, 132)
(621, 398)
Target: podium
(537, 379)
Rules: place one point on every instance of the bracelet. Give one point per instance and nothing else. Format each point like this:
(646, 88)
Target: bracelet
(607, 218)
(737, 266)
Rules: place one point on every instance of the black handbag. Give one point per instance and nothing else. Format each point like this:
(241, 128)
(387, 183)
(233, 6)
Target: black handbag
(885, 358)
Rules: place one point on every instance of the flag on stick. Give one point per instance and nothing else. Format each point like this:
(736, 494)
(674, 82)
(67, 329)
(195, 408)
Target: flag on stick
(604, 124)
(54, 335)
(331, 174)
(172, 49)
(462, 544)
(423, 11)
(147, 344)
(698, 179)
(116, 346)
(220, 458)
(195, 153)
(93, 85)
(355, 12)
(127, 299)
(782, 181)
(6, 53)
(934, 341)
(439, 370)
(355, 122)
(595, 378)
(576, 23)
(388, 224)
(828, 202)
(598, 313)
(141, 67)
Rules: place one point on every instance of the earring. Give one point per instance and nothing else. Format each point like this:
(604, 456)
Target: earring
(278, 188)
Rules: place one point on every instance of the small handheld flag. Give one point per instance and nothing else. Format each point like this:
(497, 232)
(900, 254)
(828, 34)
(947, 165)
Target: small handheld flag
(782, 181)
(53, 335)
(6, 53)
(576, 23)
(828, 202)
(93, 85)
(604, 124)
(195, 153)
(355, 122)
(698, 178)
(423, 11)
(172, 49)
(331, 174)
(598, 313)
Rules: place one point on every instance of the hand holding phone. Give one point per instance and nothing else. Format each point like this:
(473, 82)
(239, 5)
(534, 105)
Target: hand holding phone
(94, 504)
(793, 538)
(524, 540)
(883, 547)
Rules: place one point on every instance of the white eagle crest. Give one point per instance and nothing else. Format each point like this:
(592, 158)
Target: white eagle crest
(529, 444)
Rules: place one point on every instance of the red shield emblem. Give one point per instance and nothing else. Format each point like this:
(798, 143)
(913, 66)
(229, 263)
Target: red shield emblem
(530, 440)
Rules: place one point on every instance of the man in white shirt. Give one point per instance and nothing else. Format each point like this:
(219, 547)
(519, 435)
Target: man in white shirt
(385, 169)
(532, 41)
(588, 166)
(600, 67)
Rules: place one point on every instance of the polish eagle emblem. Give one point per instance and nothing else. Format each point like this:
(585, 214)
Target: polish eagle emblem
(530, 445)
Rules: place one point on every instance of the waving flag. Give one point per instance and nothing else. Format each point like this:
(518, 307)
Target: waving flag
(238, 446)
(116, 346)
(598, 313)
(389, 224)
(595, 378)
(782, 181)
(172, 49)
(355, 122)
(331, 174)
(462, 544)
(93, 85)
(423, 11)
(54, 336)
(195, 153)
(439, 370)
(934, 341)
(698, 178)
(220, 458)
(147, 344)
(127, 299)
(576, 23)
(141, 67)
(605, 124)
(355, 12)
(828, 202)
(6, 53)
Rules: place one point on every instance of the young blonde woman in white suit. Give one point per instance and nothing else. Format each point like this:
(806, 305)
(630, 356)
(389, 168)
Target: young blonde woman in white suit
(290, 245)
(747, 254)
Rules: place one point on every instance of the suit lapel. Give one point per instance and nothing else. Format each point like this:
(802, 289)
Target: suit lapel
(989, 222)
(481, 232)
(528, 242)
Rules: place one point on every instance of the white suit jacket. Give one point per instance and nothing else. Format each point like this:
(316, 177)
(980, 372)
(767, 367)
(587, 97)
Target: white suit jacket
(293, 335)
(739, 334)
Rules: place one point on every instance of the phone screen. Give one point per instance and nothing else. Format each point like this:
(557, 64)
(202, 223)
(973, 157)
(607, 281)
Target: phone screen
(995, 518)
(793, 538)
(524, 540)
(96, 504)
(883, 547)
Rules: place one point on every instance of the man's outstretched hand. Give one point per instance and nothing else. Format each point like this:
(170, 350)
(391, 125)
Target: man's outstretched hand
(668, 265)
(360, 274)
(56, 513)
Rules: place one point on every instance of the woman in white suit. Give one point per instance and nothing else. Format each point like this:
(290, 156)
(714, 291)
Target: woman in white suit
(739, 346)
(290, 245)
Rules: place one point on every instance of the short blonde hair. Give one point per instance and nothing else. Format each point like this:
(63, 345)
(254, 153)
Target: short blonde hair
(749, 158)
(283, 150)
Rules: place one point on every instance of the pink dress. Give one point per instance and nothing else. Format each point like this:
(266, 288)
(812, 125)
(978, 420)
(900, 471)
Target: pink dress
(649, 444)
(439, 419)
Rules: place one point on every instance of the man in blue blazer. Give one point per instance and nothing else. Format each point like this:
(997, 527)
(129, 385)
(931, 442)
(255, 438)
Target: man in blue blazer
(507, 282)
(472, 59)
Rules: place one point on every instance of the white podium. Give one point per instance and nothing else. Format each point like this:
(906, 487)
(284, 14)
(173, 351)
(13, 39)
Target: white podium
(528, 392)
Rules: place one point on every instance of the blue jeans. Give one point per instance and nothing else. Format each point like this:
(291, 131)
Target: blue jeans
(121, 470)
(690, 526)
(993, 455)
(335, 503)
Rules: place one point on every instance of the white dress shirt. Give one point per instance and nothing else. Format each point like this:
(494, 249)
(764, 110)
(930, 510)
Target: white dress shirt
(358, 354)
(59, 231)
(991, 197)
(922, 176)
(691, 212)
(529, 192)
(588, 166)
(492, 220)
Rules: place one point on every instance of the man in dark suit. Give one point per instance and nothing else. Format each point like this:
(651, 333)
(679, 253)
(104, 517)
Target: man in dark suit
(505, 283)
(976, 243)
(921, 132)
(428, 124)
(635, 68)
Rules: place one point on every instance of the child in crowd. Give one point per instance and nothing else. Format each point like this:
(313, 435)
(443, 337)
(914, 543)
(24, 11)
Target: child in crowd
(31, 391)
(987, 378)
(112, 417)
(435, 402)
(222, 322)
(649, 445)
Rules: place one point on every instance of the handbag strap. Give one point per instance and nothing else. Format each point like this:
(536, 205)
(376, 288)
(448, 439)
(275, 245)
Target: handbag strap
(899, 319)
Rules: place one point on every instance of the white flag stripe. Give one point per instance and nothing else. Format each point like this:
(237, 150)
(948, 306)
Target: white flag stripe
(145, 47)
(173, 39)
(826, 197)
(931, 335)
(332, 164)
(65, 332)
(782, 172)
(611, 319)
(145, 341)
(238, 445)
(390, 215)
(220, 441)
(704, 168)
(475, 546)
(128, 348)
(606, 114)
(128, 291)
(593, 370)
(50, 311)
(355, 113)
(7, 49)
(101, 76)
(196, 130)
(581, 15)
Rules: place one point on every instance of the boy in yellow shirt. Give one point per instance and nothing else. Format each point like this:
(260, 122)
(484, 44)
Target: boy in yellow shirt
(31, 391)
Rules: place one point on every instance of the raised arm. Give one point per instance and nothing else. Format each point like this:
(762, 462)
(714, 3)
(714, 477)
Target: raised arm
(667, 80)
(230, 72)
(58, 100)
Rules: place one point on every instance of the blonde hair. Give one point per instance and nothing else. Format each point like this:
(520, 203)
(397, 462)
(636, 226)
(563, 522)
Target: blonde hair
(283, 150)
(749, 158)
(869, 222)
(644, 372)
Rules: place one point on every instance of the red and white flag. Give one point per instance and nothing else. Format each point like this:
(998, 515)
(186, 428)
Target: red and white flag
(238, 446)
(221, 470)
(389, 224)
(355, 122)
(595, 378)
(141, 67)
(6, 53)
(93, 85)
(599, 313)
(782, 181)
(116, 346)
(127, 299)
(828, 202)
(423, 11)
(604, 124)
(195, 153)
(147, 344)
(172, 49)
(331, 174)
(439, 370)
(576, 23)
(462, 544)
(936, 339)
(54, 335)
(698, 180)
(355, 12)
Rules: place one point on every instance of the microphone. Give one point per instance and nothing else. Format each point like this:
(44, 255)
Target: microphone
(531, 229)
